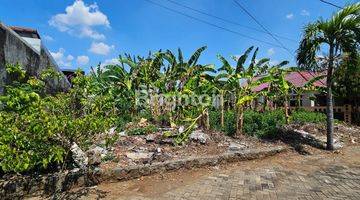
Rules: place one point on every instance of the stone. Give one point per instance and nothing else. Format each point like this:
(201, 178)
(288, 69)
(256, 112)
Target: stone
(302, 133)
(181, 129)
(122, 134)
(338, 145)
(112, 131)
(158, 150)
(95, 155)
(139, 155)
(150, 138)
(199, 136)
(236, 147)
(79, 156)
(167, 141)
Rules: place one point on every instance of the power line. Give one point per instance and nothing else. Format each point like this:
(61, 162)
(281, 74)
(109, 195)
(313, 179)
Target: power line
(212, 24)
(226, 20)
(263, 27)
(332, 4)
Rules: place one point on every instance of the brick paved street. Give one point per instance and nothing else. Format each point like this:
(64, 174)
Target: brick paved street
(286, 176)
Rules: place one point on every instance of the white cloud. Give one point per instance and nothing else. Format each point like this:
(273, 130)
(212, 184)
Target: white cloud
(113, 61)
(48, 38)
(79, 19)
(82, 60)
(101, 48)
(290, 16)
(305, 13)
(69, 58)
(61, 59)
(271, 51)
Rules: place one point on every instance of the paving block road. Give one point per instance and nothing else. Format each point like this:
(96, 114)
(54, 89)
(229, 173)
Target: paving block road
(289, 175)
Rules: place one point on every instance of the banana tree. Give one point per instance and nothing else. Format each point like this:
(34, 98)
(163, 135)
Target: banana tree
(183, 77)
(279, 84)
(242, 81)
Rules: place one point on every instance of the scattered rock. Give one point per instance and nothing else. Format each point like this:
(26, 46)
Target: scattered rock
(167, 141)
(139, 155)
(96, 154)
(141, 149)
(94, 157)
(353, 140)
(236, 147)
(302, 133)
(181, 129)
(338, 145)
(79, 156)
(150, 138)
(112, 131)
(199, 136)
(158, 150)
(122, 134)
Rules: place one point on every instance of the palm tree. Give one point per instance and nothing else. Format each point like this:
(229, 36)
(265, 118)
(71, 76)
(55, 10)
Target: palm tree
(341, 36)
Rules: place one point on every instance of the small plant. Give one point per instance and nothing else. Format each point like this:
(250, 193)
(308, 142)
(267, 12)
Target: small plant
(142, 130)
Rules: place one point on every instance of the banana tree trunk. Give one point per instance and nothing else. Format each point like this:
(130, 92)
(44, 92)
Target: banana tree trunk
(329, 103)
(286, 107)
(239, 121)
(222, 109)
(206, 119)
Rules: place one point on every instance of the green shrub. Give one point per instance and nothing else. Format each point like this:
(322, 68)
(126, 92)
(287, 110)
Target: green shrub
(36, 131)
(303, 116)
(142, 130)
(229, 121)
(263, 124)
(255, 123)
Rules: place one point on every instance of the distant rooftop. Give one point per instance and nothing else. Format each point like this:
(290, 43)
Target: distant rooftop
(25, 32)
(298, 79)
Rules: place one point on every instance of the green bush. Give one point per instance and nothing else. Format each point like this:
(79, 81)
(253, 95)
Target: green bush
(229, 121)
(263, 124)
(142, 130)
(303, 116)
(36, 131)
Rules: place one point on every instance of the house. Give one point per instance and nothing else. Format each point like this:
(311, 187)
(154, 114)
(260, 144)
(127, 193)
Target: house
(299, 79)
(24, 46)
(311, 99)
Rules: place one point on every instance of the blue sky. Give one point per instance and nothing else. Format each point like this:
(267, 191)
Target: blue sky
(84, 33)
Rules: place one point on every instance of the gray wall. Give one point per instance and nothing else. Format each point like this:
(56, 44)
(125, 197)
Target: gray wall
(14, 49)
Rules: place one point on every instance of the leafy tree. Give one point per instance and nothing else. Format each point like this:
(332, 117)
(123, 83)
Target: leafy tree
(340, 35)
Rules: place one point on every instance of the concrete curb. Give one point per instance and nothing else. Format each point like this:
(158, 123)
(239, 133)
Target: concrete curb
(63, 181)
(137, 171)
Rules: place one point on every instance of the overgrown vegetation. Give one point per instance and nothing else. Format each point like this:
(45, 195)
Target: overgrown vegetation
(303, 116)
(37, 129)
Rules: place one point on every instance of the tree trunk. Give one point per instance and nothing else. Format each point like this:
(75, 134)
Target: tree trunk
(329, 103)
(206, 120)
(239, 121)
(222, 109)
(286, 107)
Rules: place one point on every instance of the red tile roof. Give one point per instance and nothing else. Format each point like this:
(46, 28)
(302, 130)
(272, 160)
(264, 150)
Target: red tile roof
(298, 79)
